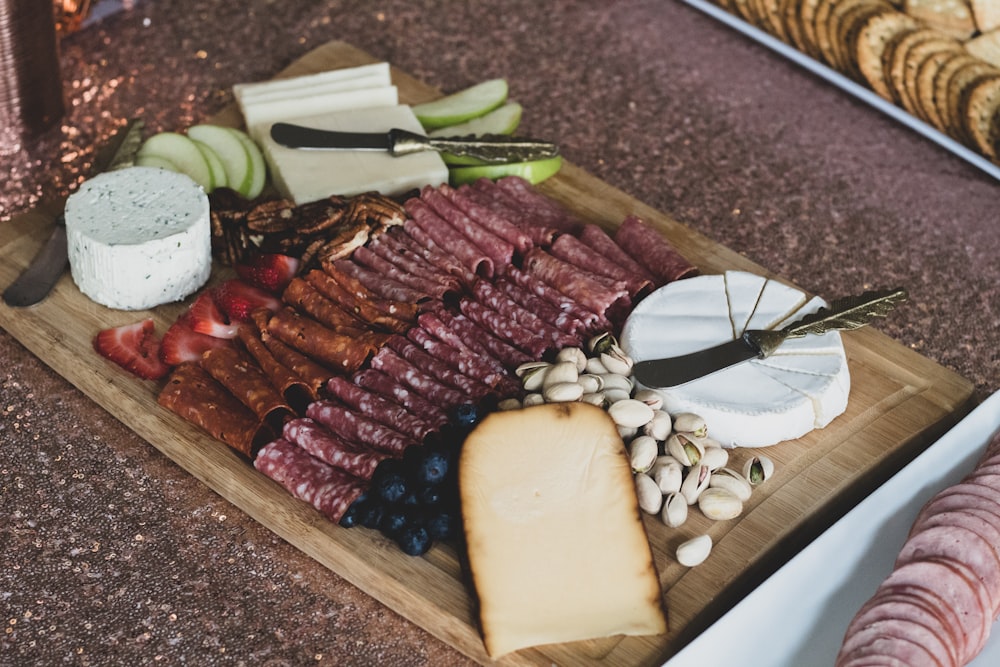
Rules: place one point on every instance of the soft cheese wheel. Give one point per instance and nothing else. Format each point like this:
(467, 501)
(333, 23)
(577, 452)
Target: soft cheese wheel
(556, 545)
(139, 237)
(804, 385)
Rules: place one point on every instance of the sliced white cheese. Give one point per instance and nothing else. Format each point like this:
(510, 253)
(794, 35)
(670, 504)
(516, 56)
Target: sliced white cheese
(377, 73)
(557, 549)
(139, 237)
(803, 385)
(259, 116)
(309, 175)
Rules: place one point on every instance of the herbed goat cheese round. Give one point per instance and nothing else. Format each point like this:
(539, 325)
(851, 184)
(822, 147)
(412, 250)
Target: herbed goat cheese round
(803, 385)
(139, 237)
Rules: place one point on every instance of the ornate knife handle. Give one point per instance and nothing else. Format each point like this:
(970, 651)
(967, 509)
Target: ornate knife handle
(490, 148)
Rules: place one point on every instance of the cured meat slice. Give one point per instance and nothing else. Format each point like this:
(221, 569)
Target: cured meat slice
(527, 215)
(490, 296)
(485, 194)
(352, 297)
(437, 368)
(302, 295)
(500, 251)
(383, 286)
(312, 373)
(390, 388)
(598, 240)
(443, 264)
(930, 627)
(355, 427)
(293, 388)
(573, 251)
(505, 328)
(902, 640)
(329, 490)
(327, 446)
(343, 353)
(462, 360)
(402, 252)
(242, 377)
(542, 207)
(546, 311)
(583, 288)
(390, 363)
(431, 231)
(378, 264)
(195, 396)
(489, 219)
(533, 284)
(482, 340)
(653, 251)
(379, 408)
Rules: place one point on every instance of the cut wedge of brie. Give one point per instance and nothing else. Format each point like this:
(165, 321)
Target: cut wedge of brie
(804, 385)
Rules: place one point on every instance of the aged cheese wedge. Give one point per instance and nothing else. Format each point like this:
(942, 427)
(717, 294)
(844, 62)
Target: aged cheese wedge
(804, 385)
(557, 549)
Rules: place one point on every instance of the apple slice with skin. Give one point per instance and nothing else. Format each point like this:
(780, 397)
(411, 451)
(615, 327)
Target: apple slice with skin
(183, 153)
(462, 106)
(232, 153)
(155, 161)
(502, 120)
(219, 178)
(258, 168)
(534, 171)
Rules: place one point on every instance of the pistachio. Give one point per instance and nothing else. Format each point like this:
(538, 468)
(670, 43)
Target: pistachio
(659, 426)
(650, 397)
(564, 371)
(642, 453)
(732, 481)
(694, 551)
(715, 457)
(719, 504)
(648, 494)
(575, 355)
(617, 381)
(509, 404)
(758, 469)
(562, 392)
(594, 398)
(616, 361)
(675, 510)
(626, 432)
(688, 422)
(615, 395)
(695, 481)
(668, 477)
(600, 343)
(591, 383)
(529, 366)
(533, 378)
(684, 449)
(533, 398)
(667, 459)
(595, 366)
(630, 412)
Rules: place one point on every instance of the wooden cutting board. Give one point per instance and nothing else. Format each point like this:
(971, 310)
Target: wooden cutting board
(900, 403)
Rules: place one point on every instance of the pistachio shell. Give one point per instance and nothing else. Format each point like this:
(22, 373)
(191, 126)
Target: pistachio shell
(509, 404)
(533, 398)
(626, 432)
(562, 372)
(595, 366)
(732, 481)
(758, 469)
(687, 422)
(530, 366)
(659, 426)
(595, 398)
(630, 412)
(600, 343)
(695, 482)
(615, 395)
(642, 453)
(719, 504)
(675, 510)
(668, 477)
(591, 383)
(562, 392)
(616, 381)
(684, 449)
(616, 361)
(648, 494)
(532, 379)
(694, 551)
(715, 457)
(651, 398)
(575, 355)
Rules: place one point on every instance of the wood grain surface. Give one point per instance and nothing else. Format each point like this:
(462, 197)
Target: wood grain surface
(900, 403)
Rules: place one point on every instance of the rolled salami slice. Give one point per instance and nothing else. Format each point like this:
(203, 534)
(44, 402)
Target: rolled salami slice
(401, 251)
(481, 368)
(431, 259)
(653, 251)
(382, 286)
(532, 213)
(598, 240)
(351, 296)
(484, 194)
(496, 299)
(329, 490)
(583, 288)
(573, 251)
(301, 295)
(375, 262)
(533, 284)
(482, 340)
(530, 301)
(355, 427)
(542, 207)
(529, 342)
(438, 369)
(379, 408)
(500, 251)
(431, 231)
(327, 446)
(242, 377)
(391, 389)
(489, 219)
(293, 388)
(195, 396)
(342, 353)
(390, 363)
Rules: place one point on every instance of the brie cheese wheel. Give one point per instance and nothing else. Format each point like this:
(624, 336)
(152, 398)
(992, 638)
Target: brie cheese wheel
(556, 545)
(804, 384)
(139, 237)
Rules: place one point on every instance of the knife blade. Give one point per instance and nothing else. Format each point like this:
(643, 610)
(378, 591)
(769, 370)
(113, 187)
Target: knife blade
(843, 314)
(48, 265)
(489, 148)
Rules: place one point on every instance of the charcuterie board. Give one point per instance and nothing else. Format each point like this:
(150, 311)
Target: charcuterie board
(900, 402)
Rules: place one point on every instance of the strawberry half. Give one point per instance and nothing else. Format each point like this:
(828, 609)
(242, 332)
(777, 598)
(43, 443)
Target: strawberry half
(269, 271)
(134, 347)
(206, 318)
(182, 343)
(237, 300)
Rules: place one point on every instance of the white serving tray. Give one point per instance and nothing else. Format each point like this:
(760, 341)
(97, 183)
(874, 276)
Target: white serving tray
(798, 616)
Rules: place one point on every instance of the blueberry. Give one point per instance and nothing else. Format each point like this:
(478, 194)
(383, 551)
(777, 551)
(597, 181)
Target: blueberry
(394, 520)
(412, 499)
(466, 415)
(442, 525)
(431, 495)
(414, 540)
(391, 487)
(433, 468)
(353, 514)
(371, 514)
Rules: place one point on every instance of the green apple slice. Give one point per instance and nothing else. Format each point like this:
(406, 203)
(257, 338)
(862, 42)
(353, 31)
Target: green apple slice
(534, 171)
(234, 156)
(258, 168)
(215, 165)
(155, 161)
(463, 105)
(502, 120)
(183, 153)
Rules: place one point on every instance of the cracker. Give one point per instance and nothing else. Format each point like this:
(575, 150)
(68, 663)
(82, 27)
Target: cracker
(959, 86)
(979, 107)
(924, 87)
(872, 41)
(821, 25)
(894, 58)
(845, 21)
(986, 14)
(807, 23)
(941, 82)
(951, 16)
(986, 46)
(915, 57)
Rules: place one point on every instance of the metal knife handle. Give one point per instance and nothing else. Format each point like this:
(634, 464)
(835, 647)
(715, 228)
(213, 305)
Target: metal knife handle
(490, 148)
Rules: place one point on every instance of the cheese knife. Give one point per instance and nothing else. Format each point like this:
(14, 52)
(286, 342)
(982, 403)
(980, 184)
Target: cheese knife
(844, 314)
(489, 148)
(48, 265)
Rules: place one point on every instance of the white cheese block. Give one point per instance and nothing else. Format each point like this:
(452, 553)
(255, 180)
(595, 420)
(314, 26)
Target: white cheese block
(139, 237)
(804, 385)
(260, 115)
(309, 175)
(557, 549)
(297, 85)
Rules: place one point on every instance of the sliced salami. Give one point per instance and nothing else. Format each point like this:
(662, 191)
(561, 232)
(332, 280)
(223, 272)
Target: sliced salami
(293, 388)
(403, 253)
(237, 371)
(573, 251)
(443, 264)
(500, 251)
(599, 241)
(378, 408)
(496, 299)
(430, 229)
(438, 369)
(542, 207)
(303, 296)
(383, 286)
(494, 200)
(329, 490)
(481, 368)
(529, 214)
(353, 297)
(533, 284)
(355, 427)
(390, 363)
(489, 219)
(391, 389)
(581, 287)
(378, 264)
(327, 446)
(340, 352)
(483, 341)
(529, 342)
(653, 251)
(549, 313)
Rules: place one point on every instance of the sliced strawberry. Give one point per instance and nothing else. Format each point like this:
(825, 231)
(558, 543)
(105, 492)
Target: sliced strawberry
(271, 272)
(182, 343)
(134, 347)
(206, 318)
(238, 299)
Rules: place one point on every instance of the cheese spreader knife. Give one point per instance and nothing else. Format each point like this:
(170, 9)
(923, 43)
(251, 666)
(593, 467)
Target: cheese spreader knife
(48, 265)
(843, 314)
(490, 148)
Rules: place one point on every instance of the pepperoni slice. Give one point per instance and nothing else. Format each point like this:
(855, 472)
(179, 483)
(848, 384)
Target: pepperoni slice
(352, 297)
(293, 388)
